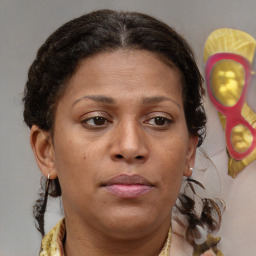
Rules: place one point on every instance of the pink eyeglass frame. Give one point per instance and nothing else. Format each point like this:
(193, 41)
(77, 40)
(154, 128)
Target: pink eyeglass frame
(233, 113)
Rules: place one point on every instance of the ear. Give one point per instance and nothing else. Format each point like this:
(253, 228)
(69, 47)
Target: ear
(191, 155)
(42, 147)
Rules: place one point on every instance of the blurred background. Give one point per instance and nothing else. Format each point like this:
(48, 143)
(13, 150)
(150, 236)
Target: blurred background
(24, 26)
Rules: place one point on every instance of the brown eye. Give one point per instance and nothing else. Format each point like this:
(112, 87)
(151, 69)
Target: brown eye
(99, 120)
(160, 120)
(95, 121)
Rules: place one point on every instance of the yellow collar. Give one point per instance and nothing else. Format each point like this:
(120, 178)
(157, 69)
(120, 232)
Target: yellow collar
(52, 243)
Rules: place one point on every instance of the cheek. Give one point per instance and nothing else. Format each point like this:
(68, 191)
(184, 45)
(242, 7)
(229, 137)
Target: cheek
(172, 163)
(171, 180)
(76, 175)
(71, 158)
(171, 187)
(172, 156)
(78, 161)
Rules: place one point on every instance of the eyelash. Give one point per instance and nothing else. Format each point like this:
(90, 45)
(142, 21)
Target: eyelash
(166, 120)
(95, 118)
(103, 122)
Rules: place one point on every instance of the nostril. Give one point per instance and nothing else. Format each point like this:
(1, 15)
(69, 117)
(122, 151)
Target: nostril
(119, 156)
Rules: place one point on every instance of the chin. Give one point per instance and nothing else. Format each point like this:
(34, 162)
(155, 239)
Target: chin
(130, 231)
(132, 224)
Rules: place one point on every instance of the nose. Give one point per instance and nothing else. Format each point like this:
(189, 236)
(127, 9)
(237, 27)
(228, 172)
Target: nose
(129, 144)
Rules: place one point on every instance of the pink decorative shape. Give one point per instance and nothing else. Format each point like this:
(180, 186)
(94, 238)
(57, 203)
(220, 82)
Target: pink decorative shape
(233, 113)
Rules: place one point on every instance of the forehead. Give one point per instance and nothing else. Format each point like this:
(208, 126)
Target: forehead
(127, 70)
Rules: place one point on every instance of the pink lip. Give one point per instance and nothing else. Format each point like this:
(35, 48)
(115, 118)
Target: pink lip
(126, 186)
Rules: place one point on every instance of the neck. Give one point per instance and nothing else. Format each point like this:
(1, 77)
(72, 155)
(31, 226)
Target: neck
(81, 240)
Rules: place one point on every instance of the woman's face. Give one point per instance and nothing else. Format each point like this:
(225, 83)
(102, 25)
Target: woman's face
(121, 144)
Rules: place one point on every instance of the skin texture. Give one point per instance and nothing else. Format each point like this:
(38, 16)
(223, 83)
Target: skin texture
(209, 253)
(129, 90)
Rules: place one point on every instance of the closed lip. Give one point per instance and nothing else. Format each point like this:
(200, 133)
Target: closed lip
(128, 186)
(125, 179)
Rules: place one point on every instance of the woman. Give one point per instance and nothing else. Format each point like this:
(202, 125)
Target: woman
(114, 104)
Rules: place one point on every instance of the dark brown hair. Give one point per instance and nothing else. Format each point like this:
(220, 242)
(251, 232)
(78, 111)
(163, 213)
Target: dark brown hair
(102, 31)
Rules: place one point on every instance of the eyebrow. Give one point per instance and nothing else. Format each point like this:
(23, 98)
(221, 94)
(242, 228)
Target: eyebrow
(110, 100)
(157, 99)
(97, 98)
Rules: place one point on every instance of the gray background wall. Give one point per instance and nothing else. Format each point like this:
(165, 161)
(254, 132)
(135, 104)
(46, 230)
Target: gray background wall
(24, 25)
